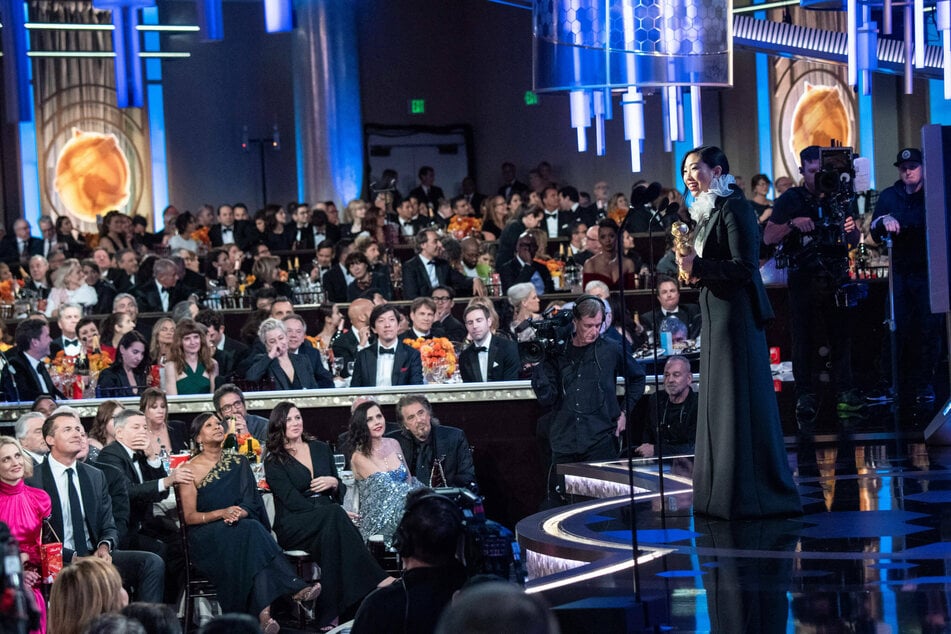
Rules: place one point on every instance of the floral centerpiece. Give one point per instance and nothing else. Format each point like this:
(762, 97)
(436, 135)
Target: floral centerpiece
(9, 289)
(63, 371)
(463, 226)
(556, 268)
(200, 235)
(249, 446)
(617, 215)
(440, 364)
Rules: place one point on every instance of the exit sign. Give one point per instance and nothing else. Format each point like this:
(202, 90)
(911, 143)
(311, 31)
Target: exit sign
(531, 99)
(417, 106)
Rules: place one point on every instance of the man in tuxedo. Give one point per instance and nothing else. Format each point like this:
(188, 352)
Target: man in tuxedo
(82, 508)
(49, 237)
(571, 211)
(357, 337)
(427, 193)
(511, 184)
(422, 316)
(300, 228)
(32, 376)
(17, 249)
(488, 358)
(38, 282)
(228, 352)
(425, 271)
(408, 220)
(524, 268)
(668, 294)
(229, 403)
(107, 266)
(578, 232)
(324, 259)
(68, 340)
(451, 327)
(471, 196)
(338, 278)
(162, 293)
(147, 482)
(126, 303)
(29, 431)
(388, 361)
(424, 442)
(551, 203)
(228, 230)
(531, 218)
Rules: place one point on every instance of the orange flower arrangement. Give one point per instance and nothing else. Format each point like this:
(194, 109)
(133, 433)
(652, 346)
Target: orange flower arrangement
(8, 289)
(435, 353)
(201, 235)
(462, 226)
(243, 440)
(555, 267)
(92, 240)
(282, 275)
(99, 361)
(617, 215)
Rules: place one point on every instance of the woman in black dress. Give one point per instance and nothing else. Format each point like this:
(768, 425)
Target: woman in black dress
(228, 530)
(741, 469)
(303, 478)
(128, 374)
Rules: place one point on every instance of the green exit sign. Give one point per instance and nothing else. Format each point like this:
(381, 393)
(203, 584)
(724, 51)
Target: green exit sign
(417, 106)
(531, 99)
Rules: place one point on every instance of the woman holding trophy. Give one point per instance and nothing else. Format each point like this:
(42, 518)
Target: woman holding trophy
(740, 469)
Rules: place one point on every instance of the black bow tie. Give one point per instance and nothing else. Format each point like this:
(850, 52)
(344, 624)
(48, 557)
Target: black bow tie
(223, 229)
(551, 214)
(70, 342)
(481, 349)
(387, 350)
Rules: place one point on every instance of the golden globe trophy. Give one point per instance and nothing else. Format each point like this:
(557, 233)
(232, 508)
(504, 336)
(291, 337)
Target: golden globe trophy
(683, 244)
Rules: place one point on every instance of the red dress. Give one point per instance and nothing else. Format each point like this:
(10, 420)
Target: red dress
(23, 508)
(629, 280)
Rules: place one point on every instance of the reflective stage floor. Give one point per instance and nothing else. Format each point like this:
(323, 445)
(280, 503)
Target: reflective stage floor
(871, 553)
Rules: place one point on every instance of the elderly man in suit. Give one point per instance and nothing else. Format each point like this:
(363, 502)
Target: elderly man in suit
(388, 361)
(31, 374)
(162, 293)
(488, 358)
(29, 431)
(426, 270)
(17, 249)
(82, 509)
(436, 454)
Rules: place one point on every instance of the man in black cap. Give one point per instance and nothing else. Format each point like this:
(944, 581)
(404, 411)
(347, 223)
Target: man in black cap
(900, 212)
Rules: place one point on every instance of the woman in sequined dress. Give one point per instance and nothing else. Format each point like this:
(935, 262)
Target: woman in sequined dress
(382, 478)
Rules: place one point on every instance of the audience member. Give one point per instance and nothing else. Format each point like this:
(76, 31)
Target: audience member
(512, 610)
(155, 618)
(487, 358)
(427, 540)
(389, 361)
(190, 367)
(32, 377)
(676, 410)
(83, 591)
(171, 434)
(436, 455)
(29, 432)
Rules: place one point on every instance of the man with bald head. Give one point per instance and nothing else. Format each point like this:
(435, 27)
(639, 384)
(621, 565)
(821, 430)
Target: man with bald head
(357, 337)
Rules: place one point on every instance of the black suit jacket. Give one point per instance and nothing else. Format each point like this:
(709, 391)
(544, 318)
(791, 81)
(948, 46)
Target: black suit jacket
(407, 367)
(141, 494)
(114, 383)
(430, 200)
(512, 272)
(416, 281)
(687, 313)
(10, 253)
(345, 347)
(504, 363)
(447, 443)
(515, 187)
(27, 384)
(106, 294)
(335, 284)
(41, 292)
(97, 504)
(451, 328)
(243, 236)
(304, 363)
(147, 296)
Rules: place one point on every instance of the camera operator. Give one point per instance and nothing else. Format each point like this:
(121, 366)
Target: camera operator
(814, 230)
(577, 381)
(900, 211)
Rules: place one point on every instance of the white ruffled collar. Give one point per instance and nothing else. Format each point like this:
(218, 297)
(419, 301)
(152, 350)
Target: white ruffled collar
(703, 204)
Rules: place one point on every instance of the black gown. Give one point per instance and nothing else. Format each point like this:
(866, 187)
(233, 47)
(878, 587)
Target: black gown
(741, 469)
(244, 562)
(320, 526)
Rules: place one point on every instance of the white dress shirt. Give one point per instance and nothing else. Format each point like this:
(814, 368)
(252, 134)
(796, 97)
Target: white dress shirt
(35, 364)
(62, 483)
(384, 366)
(484, 356)
(430, 266)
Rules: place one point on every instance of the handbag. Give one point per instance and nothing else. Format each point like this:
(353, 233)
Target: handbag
(51, 556)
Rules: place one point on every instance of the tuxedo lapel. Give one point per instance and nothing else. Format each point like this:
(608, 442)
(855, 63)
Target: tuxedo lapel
(371, 366)
(492, 361)
(400, 361)
(48, 485)
(472, 363)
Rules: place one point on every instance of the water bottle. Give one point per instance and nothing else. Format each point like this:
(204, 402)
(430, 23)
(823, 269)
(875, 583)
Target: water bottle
(166, 459)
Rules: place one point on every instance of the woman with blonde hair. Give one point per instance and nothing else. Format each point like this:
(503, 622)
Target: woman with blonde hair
(69, 287)
(353, 215)
(496, 216)
(23, 509)
(82, 591)
(190, 368)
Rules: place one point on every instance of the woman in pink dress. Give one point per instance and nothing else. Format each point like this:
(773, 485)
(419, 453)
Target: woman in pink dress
(23, 509)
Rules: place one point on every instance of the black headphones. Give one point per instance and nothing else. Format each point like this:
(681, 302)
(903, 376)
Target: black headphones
(403, 538)
(576, 312)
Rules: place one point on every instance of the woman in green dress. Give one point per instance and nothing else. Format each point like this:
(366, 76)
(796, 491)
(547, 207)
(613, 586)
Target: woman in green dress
(190, 368)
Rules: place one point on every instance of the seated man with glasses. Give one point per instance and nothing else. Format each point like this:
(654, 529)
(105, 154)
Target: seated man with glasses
(229, 403)
(450, 326)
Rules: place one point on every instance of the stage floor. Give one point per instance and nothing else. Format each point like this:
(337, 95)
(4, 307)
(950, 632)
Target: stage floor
(871, 553)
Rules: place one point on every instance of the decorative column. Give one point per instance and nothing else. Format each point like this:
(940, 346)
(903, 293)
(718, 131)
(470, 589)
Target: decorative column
(327, 101)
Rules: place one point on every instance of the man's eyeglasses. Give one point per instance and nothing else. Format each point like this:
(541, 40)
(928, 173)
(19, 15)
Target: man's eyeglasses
(442, 298)
(230, 407)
